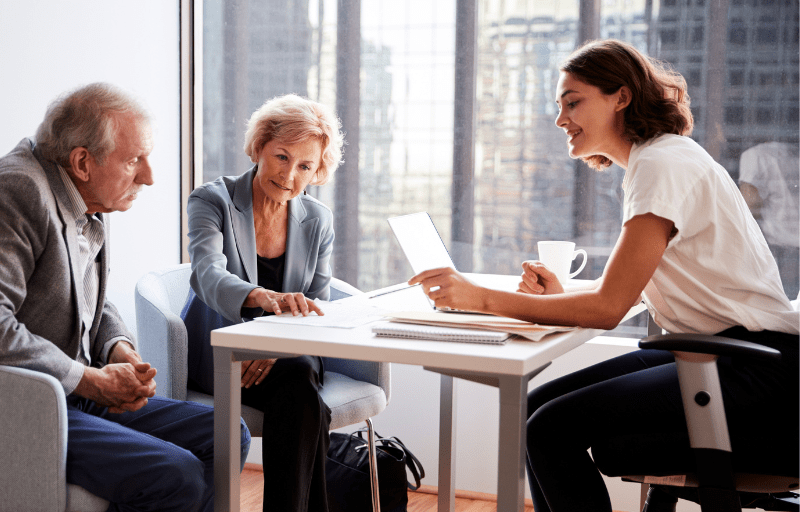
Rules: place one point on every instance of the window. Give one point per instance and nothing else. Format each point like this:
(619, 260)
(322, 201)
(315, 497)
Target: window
(521, 186)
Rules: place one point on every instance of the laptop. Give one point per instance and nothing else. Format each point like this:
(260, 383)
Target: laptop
(423, 247)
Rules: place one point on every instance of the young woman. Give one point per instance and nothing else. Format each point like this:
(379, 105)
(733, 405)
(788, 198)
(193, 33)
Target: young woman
(688, 247)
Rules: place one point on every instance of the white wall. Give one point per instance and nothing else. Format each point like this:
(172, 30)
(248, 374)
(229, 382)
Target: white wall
(48, 47)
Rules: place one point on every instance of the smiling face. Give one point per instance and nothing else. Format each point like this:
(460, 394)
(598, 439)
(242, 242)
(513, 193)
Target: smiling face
(114, 184)
(593, 121)
(284, 170)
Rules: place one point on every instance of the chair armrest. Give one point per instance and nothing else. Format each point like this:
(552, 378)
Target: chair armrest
(33, 440)
(162, 340)
(707, 344)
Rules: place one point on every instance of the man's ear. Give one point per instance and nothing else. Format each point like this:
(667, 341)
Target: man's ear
(624, 97)
(79, 161)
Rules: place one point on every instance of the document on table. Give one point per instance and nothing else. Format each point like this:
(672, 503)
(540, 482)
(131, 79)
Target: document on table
(344, 314)
(531, 331)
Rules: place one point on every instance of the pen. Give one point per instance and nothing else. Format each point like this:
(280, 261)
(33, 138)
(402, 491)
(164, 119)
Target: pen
(392, 291)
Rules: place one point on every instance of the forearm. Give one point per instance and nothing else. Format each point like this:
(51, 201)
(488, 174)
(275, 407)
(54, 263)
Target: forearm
(587, 308)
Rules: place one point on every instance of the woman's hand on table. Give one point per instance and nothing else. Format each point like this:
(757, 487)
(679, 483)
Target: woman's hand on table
(254, 372)
(276, 302)
(537, 279)
(446, 287)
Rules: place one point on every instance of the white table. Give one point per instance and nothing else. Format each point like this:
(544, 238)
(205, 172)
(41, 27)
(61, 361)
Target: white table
(508, 367)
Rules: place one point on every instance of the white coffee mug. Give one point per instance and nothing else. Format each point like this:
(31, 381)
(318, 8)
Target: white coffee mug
(558, 257)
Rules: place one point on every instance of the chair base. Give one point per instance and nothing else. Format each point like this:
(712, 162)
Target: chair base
(662, 498)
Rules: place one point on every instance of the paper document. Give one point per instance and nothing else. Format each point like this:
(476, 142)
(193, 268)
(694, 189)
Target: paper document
(345, 314)
(533, 332)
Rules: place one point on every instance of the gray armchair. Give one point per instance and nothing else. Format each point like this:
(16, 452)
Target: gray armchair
(33, 450)
(354, 390)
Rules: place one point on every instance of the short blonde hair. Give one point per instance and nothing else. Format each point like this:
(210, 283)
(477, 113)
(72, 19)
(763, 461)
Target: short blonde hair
(293, 119)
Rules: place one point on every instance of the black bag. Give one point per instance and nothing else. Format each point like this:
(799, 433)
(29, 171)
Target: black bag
(347, 473)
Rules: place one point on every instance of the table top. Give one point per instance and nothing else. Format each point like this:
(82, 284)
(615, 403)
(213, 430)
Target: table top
(516, 357)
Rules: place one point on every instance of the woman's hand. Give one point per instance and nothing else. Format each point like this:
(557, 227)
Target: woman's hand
(446, 287)
(537, 279)
(254, 372)
(276, 302)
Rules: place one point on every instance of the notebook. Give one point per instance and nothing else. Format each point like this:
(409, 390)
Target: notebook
(426, 332)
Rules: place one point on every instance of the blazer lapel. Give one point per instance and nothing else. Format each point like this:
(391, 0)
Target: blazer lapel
(244, 231)
(68, 219)
(299, 240)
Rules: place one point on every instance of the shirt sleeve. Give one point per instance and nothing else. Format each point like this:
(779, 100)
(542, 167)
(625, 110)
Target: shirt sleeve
(664, 188)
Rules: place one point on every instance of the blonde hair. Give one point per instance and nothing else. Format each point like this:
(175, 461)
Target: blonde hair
(293, 119)
(86, 117)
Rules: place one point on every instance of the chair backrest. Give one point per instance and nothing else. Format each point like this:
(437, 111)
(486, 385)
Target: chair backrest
(160, 297)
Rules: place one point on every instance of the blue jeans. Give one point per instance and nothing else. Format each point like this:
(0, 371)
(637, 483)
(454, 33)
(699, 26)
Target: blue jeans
(159, 458)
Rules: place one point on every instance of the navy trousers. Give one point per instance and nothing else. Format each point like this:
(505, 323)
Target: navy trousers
(637, 396)
(159, 458)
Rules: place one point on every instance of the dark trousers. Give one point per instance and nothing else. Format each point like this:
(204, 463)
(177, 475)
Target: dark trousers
(159, 458)
(296, 438)
(637, 396)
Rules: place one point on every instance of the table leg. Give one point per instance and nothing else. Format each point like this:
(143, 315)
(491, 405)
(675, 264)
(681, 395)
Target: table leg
(227, 437)
(511, 459)
(447, 444)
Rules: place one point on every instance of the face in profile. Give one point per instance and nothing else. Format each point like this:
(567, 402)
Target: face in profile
(592, 120)
(285, 170)
(113, 185)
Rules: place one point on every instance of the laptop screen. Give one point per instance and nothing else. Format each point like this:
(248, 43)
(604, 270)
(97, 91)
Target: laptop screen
(420, 242)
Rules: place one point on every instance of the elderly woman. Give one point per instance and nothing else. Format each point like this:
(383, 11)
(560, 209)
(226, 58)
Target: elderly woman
(689, 247)
(260, 245)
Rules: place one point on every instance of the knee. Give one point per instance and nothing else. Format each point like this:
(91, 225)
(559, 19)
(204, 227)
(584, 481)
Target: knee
(183, 483)
(246, 439)
(544, 424)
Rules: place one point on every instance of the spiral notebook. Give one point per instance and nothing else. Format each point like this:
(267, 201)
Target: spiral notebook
(428, 332)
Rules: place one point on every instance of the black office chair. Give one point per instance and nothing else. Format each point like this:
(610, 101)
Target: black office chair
(752, 480)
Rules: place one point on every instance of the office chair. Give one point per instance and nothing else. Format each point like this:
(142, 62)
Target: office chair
(754, 481)
(354, 390)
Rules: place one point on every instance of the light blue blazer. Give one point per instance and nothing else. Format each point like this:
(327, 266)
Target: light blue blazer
(222, 249)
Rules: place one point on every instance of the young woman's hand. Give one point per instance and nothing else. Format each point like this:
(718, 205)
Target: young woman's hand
(446, 287)
(537, 279)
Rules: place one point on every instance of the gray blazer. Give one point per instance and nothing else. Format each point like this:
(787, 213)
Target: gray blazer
(222, 249)
(39, 316)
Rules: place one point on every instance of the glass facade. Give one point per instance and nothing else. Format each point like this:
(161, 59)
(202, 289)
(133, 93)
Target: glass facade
(739, 57)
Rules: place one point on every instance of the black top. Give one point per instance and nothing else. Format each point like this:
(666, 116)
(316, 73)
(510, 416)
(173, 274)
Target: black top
(270, 272)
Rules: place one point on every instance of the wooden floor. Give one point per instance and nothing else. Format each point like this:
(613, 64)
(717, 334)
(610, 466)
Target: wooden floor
(253, 484)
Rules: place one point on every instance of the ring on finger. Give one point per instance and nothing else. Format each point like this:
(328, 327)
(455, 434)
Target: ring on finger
(259, 369)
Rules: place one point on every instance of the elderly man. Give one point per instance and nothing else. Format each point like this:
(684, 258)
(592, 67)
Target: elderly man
(89, 158)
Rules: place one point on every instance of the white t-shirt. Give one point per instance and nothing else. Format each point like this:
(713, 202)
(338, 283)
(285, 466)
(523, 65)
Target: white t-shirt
(773, 169)
(717, 271)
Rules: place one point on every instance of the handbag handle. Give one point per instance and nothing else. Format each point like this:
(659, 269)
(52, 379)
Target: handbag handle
(412, 462)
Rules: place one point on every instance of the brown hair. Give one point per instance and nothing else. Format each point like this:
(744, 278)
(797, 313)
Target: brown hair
(659, 100)
(292, 119)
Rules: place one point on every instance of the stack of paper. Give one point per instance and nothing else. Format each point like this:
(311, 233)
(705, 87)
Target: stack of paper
(531, 331)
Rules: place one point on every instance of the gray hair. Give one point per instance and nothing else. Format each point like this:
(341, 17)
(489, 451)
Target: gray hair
(86, 117)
